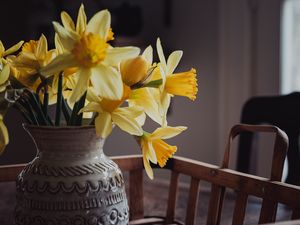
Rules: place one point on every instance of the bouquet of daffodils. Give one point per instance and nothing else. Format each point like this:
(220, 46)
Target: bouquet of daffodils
(87, 77)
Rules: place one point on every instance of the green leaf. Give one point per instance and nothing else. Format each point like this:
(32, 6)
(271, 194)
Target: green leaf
(59, 100)
(154, 83)
(66, 111)
(76, 120)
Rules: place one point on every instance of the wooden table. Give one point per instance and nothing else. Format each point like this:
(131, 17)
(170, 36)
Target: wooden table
(155, 198)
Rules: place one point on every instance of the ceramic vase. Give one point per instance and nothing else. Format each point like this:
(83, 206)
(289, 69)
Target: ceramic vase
(70, 181)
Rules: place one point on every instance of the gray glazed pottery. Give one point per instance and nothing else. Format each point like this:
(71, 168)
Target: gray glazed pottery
(70, 181)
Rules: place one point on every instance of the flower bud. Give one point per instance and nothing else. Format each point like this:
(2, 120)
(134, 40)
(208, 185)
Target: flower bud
(134, 70)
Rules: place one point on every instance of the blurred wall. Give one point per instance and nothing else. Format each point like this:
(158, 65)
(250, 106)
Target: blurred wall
(215, 36)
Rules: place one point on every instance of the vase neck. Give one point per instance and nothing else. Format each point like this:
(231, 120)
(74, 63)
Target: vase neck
(65, 140)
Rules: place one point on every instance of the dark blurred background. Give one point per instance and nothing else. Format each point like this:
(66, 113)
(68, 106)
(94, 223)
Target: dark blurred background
(233, 44)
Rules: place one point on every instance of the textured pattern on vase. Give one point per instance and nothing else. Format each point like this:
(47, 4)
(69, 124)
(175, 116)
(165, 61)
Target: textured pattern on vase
(113, 217)
(76, 170)
(54, 201)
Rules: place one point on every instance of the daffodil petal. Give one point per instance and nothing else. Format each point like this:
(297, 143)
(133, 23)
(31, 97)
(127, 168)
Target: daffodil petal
(163, 76)
(4, 74)
(91, 107)
(151, 153)
(165, 103)
(103, 124)
(141, 119)
(132, 111)
(42, 47)
(58, 64)
(27, 55)
(143, 98)
(125, 119)
(167, 132)
(148, 54)
(173, 61)
(2, 88)
(100, 24)
(88, 115)
(81, 85)
(92, 96)
(147, 167)
(58, 45)
(12, 49)
(67, 21)
(147, 147)
(49, 56)
(107, 82)
(115, 55)
(161, 55)
(4, 139)
(2, 49)
(81, 20)
(67, 37)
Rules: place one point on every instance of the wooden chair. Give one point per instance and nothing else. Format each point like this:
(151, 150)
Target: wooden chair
(271, 191)
(282, 111)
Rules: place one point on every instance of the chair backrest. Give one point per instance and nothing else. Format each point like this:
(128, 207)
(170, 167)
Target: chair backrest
(282, 111)
(271, 191)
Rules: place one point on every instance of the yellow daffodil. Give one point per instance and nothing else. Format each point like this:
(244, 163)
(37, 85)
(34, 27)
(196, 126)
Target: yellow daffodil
(134, 70)
(182, 84)
(155, 149)
(4, 139)
(138, 71)
(109, 113)
(31, 59)
(4, 75)
(69, 81)
(87, 49)
(4, 53)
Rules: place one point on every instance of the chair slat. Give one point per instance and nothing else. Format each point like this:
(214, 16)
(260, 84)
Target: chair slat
(173, 189)
(136, 200)
(240, 208)
(215, 205)
(129, 162)
(268, 211)
(192, 202)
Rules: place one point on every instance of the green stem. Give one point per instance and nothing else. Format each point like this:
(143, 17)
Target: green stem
(27, 109)
(46, 101)
(59, 100)
(80, 106)
(45, 105)
(24, 112)
(33, 102)
(73, 114)
(66, 111)
(76, 119)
